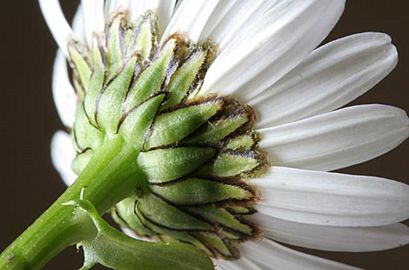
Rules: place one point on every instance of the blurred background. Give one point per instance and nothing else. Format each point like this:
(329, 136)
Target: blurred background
(29, 183)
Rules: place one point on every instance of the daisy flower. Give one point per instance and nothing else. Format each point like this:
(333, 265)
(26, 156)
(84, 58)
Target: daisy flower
(247, 121)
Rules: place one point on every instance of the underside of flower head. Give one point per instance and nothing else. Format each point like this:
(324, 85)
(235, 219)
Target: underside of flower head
(196, 151)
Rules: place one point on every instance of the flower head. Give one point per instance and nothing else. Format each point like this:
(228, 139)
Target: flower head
(175, 81)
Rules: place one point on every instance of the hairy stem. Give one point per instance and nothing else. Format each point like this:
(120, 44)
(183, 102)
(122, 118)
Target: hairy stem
(111, 176)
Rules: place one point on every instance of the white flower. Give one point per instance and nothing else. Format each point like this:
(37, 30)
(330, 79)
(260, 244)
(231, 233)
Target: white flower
(268, 59)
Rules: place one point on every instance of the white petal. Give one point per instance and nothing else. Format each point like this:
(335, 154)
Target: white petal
(273, 42)
(226, 18)
(78, 25)
(190, 17)
(163, 9)
(332, 199)
(57, 23)
(351, 239)
(231, 16)
(219, 267)
(93, 16)
(332, 76)
(337, 139)
(113, 5)
(242, 264)
(137, 7)
(65, 98)
(62, 154)
(271, 255)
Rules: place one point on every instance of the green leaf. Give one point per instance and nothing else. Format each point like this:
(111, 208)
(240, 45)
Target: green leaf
(193, 191)
(118, 251)
(173, 126)
(164, 165)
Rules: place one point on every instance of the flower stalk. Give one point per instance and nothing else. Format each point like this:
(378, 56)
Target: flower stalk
(107, 179)
(60, 226)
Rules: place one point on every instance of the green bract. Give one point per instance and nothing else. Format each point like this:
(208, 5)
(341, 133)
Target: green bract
(118, 251)
(195, 151)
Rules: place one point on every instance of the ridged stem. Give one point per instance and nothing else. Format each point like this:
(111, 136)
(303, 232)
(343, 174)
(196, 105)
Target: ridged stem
(111, 176)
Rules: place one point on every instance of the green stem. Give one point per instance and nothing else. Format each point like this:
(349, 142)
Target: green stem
(112, 175)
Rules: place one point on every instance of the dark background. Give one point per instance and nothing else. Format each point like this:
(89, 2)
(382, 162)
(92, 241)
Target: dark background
(29, 184)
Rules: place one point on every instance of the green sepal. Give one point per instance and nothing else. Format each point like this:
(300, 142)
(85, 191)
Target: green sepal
(128, 40)
(242, 142)
(239, 209)
(160, 212)
(79, 64)
(84, 134)
(137, 121)
(146, 39)
(220, 129)
(124, 214)
(110, 102)
(167, 235)
(118, 251)
(220, 216)
(114, 52)
(95, 84)
(79, 89)
(173, 126)
(229, 165)
(194, 191)
(81, 161)
(229, 234)
(183, 78)
(222, 246)
(173, 162)
(151, 79)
